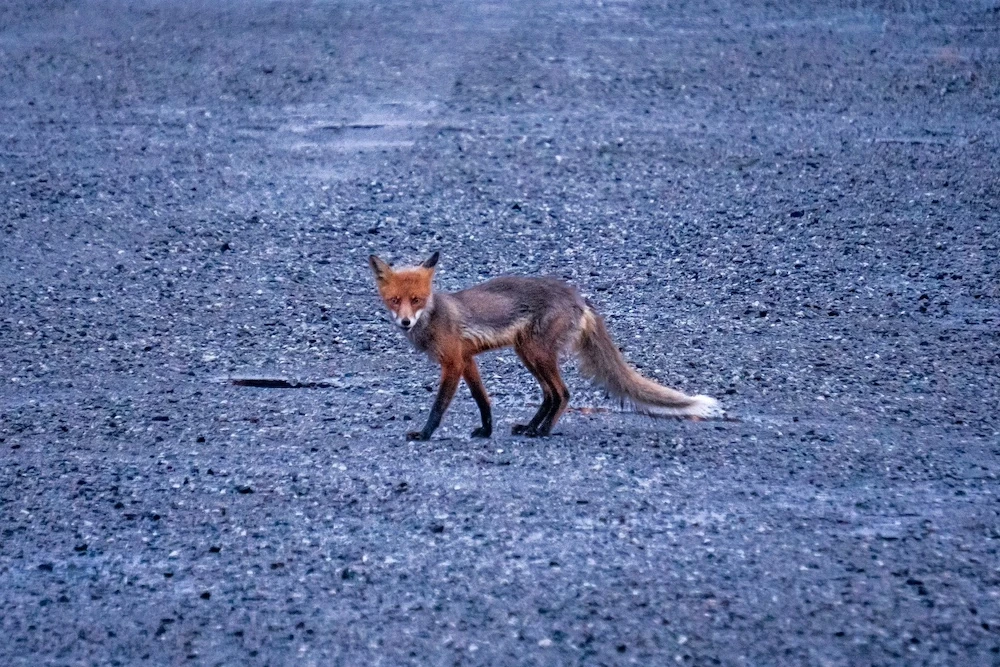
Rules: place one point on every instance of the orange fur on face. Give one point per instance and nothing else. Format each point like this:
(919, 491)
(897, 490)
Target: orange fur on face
(406, 292)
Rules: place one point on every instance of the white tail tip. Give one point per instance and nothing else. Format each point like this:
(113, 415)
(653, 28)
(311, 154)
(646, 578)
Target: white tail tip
(701, 407)
(707, 407)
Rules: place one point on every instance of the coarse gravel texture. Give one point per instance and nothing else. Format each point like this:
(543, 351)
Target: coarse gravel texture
(793, 208)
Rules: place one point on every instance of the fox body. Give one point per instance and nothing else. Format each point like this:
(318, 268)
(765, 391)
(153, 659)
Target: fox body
(540, 318)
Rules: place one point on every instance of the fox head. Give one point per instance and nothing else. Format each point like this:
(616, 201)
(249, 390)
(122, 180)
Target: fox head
(406, 292)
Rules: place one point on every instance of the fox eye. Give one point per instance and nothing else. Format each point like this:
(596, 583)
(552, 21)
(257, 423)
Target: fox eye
(394, 300)
(415, 300)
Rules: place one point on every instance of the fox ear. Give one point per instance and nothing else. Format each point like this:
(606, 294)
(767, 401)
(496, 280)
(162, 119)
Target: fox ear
(431, 261)
(381, 270)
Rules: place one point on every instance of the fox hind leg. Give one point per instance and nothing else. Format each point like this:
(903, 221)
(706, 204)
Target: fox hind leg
(527, 358)
(560, 395)
(539, 350)
(555, 396)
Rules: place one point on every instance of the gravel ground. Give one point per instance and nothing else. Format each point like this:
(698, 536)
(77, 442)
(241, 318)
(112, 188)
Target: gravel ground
(793, 209)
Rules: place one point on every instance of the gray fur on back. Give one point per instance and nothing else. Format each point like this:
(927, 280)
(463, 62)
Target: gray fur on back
(502, 302)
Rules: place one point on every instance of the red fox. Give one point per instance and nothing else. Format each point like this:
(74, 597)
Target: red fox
(539, 318)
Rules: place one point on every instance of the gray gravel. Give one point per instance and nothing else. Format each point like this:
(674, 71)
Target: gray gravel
(793, 209)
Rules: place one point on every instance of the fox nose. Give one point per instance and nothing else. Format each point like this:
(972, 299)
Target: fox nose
(405, 323)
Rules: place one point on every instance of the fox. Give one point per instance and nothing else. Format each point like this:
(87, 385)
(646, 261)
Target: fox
(541, 318)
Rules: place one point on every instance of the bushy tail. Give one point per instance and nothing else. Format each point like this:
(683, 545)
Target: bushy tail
(601, 362)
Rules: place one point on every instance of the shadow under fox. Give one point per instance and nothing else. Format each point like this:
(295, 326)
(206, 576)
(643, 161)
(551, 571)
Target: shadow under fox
(540, 318)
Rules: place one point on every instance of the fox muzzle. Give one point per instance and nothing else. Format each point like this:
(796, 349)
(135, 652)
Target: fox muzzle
(407, 322)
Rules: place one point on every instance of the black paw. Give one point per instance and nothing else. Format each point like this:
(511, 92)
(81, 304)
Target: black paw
(524, 429)
(417, 435)
(482, 432)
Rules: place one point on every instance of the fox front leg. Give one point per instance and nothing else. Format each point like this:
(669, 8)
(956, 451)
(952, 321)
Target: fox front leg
(471, 376)
(450, 374)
